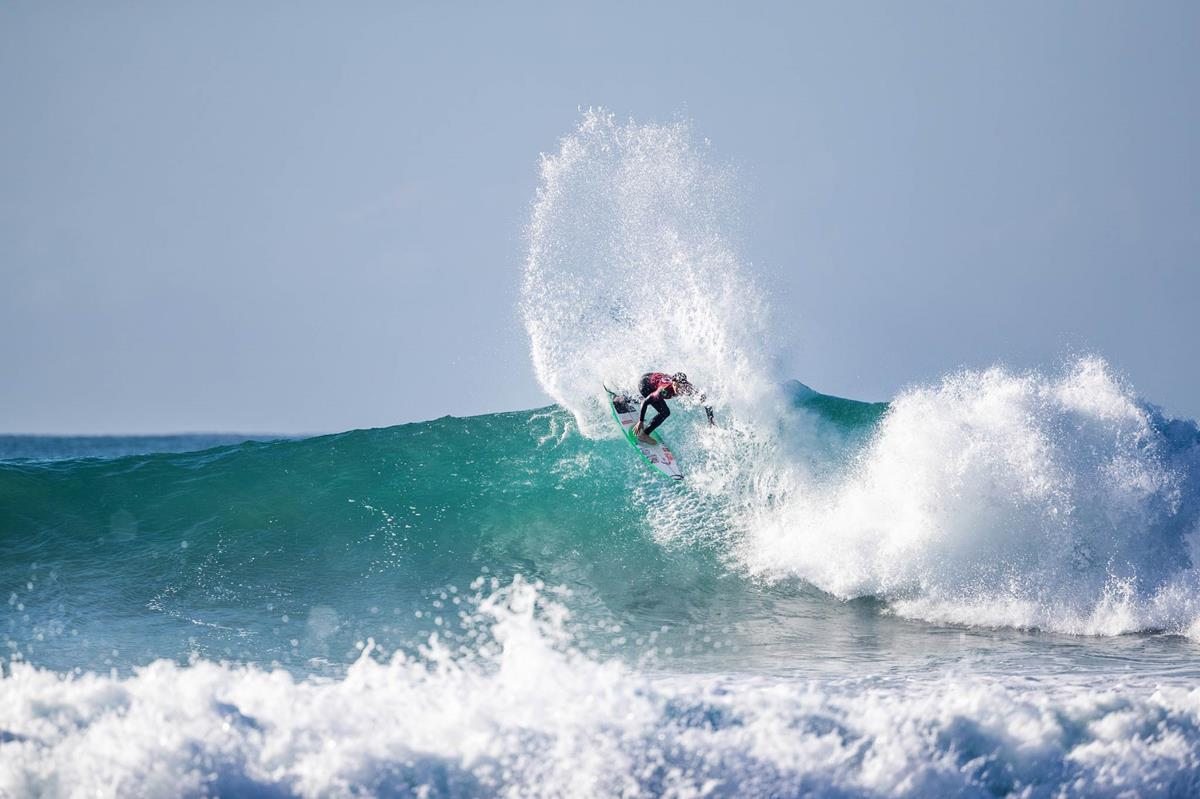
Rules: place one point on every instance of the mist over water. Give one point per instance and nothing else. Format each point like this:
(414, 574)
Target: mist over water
(985, 587)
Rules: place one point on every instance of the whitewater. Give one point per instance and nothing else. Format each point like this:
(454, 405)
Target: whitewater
(985, 586)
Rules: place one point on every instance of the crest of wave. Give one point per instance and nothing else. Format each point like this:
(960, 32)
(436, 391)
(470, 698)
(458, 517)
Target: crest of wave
(630, 270)
(1007, 499)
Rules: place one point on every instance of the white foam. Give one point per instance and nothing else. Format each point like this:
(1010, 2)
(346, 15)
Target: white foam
(1002, 498)
(524, 714)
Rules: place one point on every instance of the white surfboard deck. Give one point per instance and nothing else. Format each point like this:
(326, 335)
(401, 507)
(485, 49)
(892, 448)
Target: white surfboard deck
(625, 410)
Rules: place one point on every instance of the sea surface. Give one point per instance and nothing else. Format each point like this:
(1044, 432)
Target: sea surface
(492, 605)
(986, 586)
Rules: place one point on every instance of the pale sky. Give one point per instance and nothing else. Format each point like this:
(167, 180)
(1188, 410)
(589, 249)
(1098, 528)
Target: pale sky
(290, 217)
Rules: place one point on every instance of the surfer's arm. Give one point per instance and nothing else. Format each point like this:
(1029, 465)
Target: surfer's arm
(646, 403)
(707, 408)
(656, 402)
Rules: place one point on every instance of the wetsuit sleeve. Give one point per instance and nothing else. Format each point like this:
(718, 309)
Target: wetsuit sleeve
(646, 403)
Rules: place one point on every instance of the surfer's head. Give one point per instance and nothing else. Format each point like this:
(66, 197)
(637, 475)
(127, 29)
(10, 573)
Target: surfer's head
(679, 379)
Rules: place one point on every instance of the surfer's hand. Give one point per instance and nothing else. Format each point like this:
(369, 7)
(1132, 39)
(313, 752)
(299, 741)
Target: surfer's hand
(637, 429)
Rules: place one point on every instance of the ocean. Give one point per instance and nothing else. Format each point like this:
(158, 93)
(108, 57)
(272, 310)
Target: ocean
(492, 605)
(986, 586)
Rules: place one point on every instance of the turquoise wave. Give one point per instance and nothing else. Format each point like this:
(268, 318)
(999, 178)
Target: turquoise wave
(232, 547)
(297, 551)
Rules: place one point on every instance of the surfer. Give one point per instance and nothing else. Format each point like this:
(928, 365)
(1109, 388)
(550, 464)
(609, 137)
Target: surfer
(657, 388)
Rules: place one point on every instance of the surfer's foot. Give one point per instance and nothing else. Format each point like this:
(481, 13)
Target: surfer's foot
(645, 438)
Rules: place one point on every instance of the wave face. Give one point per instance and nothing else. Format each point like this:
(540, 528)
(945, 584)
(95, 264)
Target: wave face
(291, 551)
(996, 499)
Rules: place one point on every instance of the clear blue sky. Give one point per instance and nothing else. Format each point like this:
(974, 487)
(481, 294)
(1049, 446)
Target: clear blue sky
(304, 217)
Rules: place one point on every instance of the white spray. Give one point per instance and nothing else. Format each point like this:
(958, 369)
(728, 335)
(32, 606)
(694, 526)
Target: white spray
(630, 270)
(1002, 498)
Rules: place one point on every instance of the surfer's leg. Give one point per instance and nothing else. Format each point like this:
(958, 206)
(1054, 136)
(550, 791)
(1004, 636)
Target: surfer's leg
(663, 411)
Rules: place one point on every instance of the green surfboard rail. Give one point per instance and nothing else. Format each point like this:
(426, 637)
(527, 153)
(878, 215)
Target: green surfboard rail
(632, 439)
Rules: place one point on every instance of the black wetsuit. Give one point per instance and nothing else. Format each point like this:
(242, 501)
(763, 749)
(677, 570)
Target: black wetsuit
(656, 389)
(646, 387)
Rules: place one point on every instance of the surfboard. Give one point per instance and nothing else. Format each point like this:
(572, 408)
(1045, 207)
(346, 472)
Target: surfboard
(658, 455)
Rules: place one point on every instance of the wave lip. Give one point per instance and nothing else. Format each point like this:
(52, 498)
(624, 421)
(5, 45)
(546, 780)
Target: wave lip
(527, 714)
